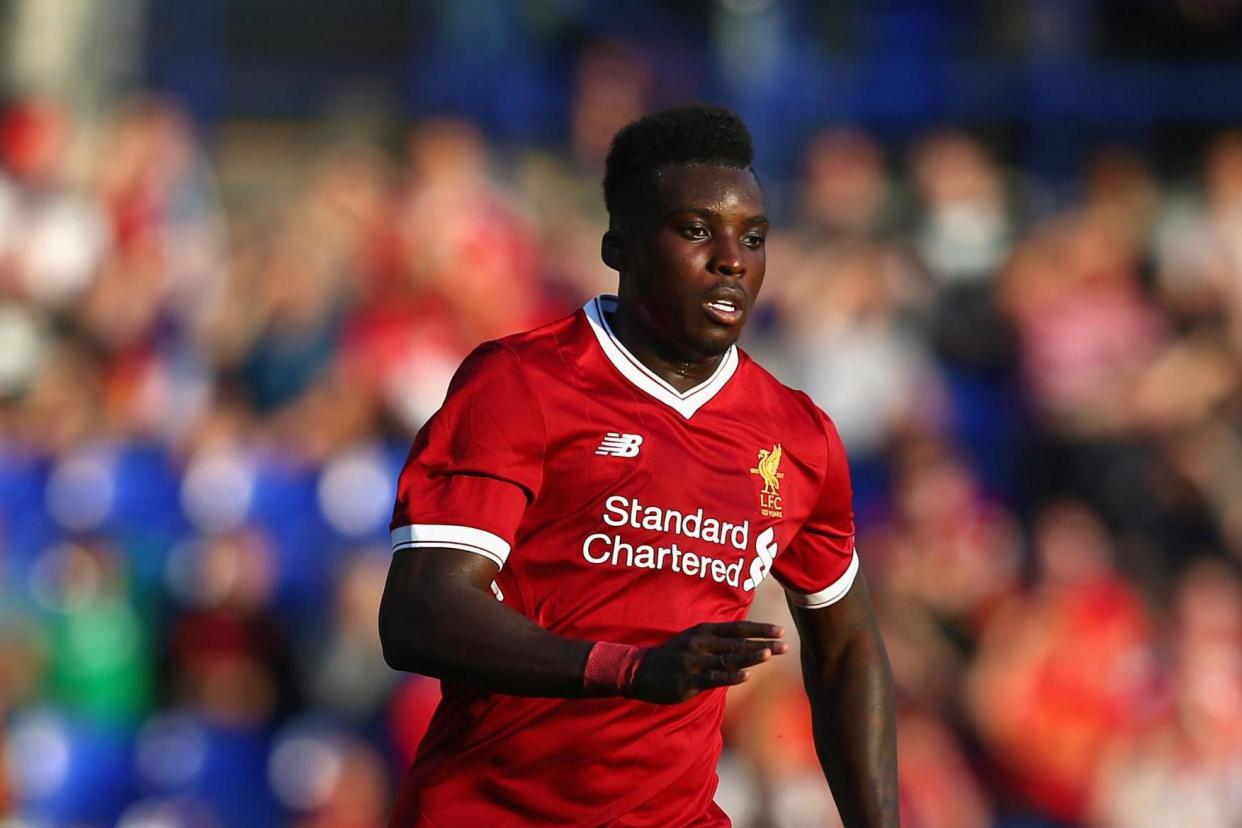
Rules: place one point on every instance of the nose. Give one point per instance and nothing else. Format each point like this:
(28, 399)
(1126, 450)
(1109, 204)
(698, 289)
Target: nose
(727, 258)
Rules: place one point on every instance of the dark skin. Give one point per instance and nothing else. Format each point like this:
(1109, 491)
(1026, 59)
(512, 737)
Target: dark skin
(704, 239)
(690, 254)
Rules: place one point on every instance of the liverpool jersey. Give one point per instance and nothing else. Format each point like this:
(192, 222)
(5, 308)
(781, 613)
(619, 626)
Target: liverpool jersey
(617, 509)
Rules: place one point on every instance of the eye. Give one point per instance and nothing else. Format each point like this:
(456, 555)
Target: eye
(694, 232)
(754, 240)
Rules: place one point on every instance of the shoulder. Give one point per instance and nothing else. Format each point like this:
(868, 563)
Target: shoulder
(515, 358)
(545, 345)
(791, 405)
(792, 408)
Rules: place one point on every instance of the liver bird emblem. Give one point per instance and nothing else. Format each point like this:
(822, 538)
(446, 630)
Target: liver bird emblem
(769, 469)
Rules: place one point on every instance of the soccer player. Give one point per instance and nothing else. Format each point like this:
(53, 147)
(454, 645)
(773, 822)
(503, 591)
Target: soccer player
(579, 531)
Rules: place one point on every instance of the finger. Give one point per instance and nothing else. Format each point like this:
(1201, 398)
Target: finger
(745, 629)
(729, 662)
(719, 678)
(719, 646)
(733, 662)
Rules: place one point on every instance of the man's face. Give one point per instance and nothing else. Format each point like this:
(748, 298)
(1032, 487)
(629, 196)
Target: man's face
(694, 263)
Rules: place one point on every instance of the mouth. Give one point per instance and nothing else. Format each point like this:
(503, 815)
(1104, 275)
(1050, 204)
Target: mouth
(724, 310)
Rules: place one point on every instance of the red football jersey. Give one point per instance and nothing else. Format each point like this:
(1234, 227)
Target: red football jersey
(618, 509)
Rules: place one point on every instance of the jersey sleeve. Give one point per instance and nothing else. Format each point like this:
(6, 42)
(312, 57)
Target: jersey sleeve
(821, 563)
(476, 464)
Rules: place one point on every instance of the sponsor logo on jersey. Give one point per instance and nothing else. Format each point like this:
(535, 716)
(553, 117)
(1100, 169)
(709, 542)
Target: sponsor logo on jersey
(768, 468)
(722, 565)
(616, 444)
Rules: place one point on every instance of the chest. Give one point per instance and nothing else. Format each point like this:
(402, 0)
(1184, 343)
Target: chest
(716, 481)
(648, 520)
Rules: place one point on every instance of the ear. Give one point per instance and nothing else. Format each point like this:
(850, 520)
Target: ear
(612, 250)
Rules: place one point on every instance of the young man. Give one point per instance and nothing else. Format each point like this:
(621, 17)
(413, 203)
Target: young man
(580, 529)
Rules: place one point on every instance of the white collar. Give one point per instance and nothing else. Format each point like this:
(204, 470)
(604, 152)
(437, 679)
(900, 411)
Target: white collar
(684, 403)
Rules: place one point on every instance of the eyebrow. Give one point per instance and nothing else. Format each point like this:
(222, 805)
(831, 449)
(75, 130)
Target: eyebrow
(753, 221)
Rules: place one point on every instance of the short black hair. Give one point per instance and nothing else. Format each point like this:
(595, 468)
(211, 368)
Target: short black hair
(695, 134)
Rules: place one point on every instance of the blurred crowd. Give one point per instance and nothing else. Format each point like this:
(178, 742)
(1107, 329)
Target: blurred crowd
(206, 392)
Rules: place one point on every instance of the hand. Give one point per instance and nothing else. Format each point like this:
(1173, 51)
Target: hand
(703, 657)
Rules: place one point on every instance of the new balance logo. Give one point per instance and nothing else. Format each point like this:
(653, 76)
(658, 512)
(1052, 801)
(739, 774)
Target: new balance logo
(620, 445)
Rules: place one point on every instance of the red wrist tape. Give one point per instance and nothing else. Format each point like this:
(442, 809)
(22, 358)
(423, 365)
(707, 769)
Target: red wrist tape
(612, 667)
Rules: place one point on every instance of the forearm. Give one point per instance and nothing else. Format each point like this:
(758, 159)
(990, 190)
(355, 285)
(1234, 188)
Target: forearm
(438, 618)
(854, 719)
(461, 634)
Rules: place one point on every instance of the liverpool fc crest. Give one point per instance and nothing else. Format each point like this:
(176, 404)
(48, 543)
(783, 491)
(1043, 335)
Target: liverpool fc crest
(768, 468)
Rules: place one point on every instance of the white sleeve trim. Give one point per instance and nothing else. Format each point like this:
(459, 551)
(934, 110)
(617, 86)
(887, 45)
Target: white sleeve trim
(830, 594)
(446, 535)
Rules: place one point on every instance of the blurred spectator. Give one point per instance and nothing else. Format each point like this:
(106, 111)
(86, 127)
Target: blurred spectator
(1087, 329)
(53, 239)
(99, 657)
(1064, 672)
(1200, 239)
(948, 549)
(464, 269)
(1184, 768)
(462, 242)
(343, 668)
(613, 88)
(169, 249)
(228, 656)
(964, 227)
(845, 190)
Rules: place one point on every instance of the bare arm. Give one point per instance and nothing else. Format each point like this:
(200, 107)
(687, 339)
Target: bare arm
(438, 617)
(850, 686)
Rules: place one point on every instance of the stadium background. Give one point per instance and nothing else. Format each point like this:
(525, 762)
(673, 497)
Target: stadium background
(243, 245)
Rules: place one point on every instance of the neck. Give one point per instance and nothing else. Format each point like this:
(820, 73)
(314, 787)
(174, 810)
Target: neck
(681, 369)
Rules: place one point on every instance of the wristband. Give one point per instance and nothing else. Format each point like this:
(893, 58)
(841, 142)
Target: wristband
(612, 667)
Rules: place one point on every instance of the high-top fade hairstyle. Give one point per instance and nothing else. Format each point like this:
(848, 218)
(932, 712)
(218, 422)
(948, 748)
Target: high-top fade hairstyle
(687, 135)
